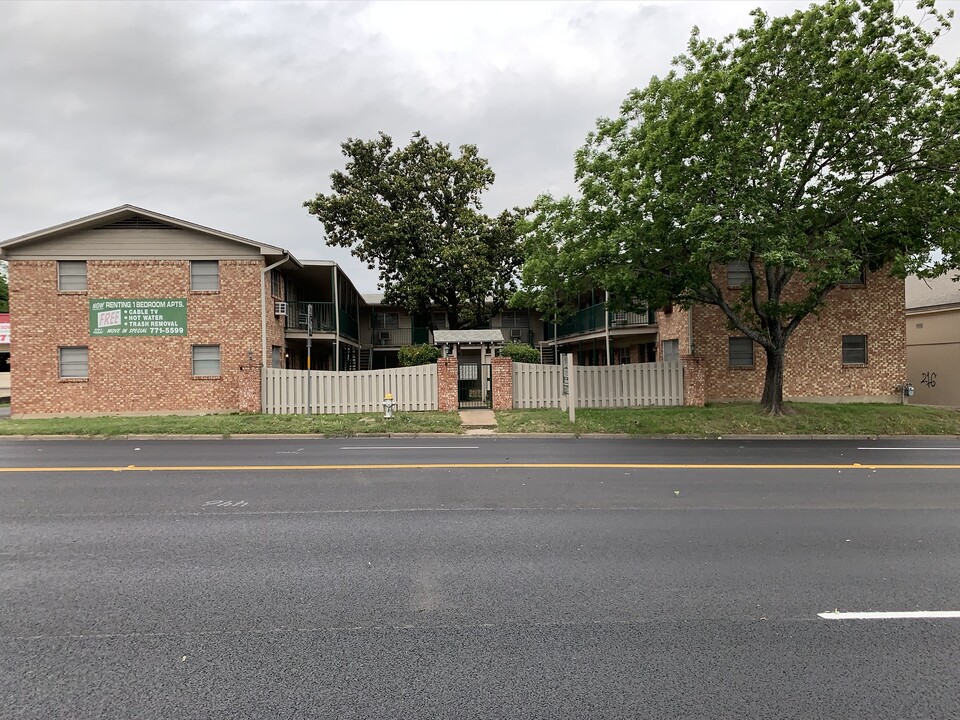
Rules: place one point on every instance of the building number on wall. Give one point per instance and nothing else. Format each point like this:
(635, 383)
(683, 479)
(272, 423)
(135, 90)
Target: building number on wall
(929, 379)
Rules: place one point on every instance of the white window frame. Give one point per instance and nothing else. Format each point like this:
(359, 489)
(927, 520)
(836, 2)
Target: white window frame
(200, 276)
(73, 362)
(737, 356)
(204, 370)
(72, 275)
(844, 349)
(674, 347)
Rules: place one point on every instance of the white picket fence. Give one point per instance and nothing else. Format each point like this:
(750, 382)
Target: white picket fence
(541, 386)
(285, 391)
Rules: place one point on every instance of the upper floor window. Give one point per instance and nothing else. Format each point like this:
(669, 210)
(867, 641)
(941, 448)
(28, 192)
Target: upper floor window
(204, 275)
(740, 352)
(514, 319)
(276, 284)
(74, 362)
(387, 320)
(738, 273)
(439, 319)
(72, 275)
(857, 280)
(854, 350)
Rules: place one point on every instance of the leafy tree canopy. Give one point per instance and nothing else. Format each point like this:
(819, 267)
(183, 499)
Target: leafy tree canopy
(810, 146)
(410, 355)
(415, 214)
(520, 352)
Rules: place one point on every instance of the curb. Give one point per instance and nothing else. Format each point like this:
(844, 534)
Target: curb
(475, 433)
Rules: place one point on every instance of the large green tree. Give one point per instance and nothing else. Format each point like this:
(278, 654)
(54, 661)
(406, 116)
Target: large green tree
(812, 147)
(415, 214)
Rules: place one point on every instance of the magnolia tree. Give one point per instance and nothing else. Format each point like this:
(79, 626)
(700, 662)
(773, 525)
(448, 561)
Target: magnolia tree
(811, 147)
(415, 214)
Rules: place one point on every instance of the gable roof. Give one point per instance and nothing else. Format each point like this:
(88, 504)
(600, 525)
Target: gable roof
(932, 292)
(467, 336)
(125, 212)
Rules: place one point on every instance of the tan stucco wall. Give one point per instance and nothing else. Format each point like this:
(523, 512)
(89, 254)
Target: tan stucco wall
(933, 356)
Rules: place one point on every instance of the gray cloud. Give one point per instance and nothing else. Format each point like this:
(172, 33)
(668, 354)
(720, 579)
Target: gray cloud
(231, 115)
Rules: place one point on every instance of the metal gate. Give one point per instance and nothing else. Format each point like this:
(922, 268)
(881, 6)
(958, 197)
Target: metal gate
(475, 385)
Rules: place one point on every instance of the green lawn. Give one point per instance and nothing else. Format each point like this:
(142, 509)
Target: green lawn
(225, 425)
(722, 419)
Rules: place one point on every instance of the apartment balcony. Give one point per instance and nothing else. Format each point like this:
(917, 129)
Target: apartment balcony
(596, 318)
(323, 316)
(399, 337)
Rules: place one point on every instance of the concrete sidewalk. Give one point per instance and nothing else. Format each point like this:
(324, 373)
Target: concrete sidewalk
(478, 422)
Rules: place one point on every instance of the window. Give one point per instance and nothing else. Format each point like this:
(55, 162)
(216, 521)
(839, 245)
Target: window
(515, 319)
(276, 357)
(206, 360)
(855, 280)
(854, 349)
(204, 275)
(740, 352)
(621, 356)
(74, 362)
(387, 320)
(72, 276)
(276, 284)
(738, 273)
(671, 350)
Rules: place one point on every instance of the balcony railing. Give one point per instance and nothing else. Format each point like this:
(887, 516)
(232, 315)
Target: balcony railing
(594, 318)
(398, 337)
(322, 319)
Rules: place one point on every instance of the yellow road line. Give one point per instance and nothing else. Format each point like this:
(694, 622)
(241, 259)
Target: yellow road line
(469, 466)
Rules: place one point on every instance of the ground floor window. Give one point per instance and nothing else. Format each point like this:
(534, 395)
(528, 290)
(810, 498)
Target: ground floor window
(671, 350)
(206, 360)
(854, 350)
(74, 362)
(740, 352)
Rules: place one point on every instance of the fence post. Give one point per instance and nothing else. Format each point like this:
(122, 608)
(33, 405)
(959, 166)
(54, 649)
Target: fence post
(694, 380)
(447, 378)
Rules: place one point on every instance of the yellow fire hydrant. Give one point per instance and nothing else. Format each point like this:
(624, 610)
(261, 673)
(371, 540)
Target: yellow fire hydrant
(388, 406)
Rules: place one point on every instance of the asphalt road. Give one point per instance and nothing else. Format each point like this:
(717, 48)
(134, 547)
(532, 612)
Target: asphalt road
(463, 578)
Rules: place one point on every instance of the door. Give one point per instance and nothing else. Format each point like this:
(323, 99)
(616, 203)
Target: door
(475, 385)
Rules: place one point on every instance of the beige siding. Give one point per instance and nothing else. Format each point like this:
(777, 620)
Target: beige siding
(933, 357)
(133, 244)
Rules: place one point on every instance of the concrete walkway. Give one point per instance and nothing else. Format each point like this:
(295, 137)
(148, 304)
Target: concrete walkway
(478, 422)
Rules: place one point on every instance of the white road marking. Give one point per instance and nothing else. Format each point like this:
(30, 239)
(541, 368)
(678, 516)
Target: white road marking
(912, 614)
(413, 447)
(949, 449)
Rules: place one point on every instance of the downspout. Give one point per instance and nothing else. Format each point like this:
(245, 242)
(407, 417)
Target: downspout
(263, 307)
(336, 319)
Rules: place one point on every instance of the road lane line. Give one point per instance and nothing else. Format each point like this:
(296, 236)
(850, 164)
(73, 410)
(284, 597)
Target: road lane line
(470, 466)
(908, 615)
(948, 449)
(413, 447)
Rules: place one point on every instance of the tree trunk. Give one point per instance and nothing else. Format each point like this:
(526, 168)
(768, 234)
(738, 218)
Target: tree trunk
(772, 400)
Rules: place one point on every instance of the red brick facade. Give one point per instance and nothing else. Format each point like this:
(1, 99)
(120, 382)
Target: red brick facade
(502, 383)
(134, 374)
(447, 379)
(814, 367)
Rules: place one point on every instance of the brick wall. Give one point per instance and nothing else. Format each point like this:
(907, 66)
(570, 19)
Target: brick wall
(502, 383)
(694, 380)
(447, 378)
(814, 367)
(134, 374)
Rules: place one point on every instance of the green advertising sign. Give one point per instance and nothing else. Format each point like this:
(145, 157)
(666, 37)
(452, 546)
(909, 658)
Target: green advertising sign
(141, 316)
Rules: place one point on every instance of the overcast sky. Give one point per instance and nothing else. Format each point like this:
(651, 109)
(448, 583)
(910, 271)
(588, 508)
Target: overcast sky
(231, 114)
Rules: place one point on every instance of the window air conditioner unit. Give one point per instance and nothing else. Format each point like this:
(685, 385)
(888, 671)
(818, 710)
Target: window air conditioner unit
(516, 334)
(280, 309)
(385, 335)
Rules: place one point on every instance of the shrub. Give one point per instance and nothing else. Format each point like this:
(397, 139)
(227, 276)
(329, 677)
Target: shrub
(418, 355)
(520, 352)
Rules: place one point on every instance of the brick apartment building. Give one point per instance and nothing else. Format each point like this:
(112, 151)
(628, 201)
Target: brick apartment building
(854, 350)
(130, 311)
